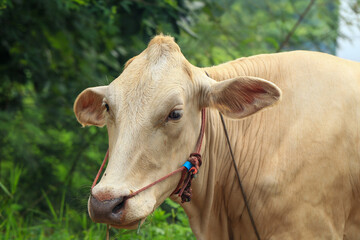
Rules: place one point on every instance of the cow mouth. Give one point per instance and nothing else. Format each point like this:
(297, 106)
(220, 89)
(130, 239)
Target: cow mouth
(131, 225)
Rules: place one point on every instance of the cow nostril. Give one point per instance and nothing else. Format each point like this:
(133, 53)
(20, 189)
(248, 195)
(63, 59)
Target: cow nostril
(119, 206)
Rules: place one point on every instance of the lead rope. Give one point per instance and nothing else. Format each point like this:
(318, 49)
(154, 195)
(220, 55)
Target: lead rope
(238, 176)
(108, 232)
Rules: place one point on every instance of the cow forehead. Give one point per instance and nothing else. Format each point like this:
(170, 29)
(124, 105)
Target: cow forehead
(148, 85)
(158, 74)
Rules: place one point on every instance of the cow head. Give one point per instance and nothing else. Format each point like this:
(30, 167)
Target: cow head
(152, 114)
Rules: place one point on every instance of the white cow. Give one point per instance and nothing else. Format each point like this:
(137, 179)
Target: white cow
(299, 160)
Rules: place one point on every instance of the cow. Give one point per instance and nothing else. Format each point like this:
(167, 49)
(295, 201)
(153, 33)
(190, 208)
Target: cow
(293, 122)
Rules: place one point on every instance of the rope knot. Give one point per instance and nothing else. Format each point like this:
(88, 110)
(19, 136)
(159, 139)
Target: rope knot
(186, 192)
(195, 160)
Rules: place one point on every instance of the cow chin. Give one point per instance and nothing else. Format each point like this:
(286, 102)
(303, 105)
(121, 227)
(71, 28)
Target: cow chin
(132, 225)
(127, 215)
(137, 209)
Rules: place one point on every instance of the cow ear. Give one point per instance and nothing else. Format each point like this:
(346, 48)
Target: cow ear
(89, 108)
(242, 96)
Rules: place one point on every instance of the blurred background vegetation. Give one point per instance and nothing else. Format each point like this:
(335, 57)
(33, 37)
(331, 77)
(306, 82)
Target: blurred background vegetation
(50, 50)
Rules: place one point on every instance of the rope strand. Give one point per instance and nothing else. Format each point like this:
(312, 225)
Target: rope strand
(239, 179)
(194, 159)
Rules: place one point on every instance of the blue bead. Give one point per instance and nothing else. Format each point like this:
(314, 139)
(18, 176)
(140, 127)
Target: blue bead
(188, 165)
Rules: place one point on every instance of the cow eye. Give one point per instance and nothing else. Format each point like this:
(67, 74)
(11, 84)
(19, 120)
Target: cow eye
(175, 115)
(107, 107)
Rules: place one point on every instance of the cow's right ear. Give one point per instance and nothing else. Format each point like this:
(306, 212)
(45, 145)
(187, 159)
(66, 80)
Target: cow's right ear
(89, 108)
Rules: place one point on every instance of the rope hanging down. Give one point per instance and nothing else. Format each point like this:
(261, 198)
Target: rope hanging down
(239, 179)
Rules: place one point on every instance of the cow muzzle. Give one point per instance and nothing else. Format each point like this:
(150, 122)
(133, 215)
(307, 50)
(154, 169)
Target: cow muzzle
(107, 211)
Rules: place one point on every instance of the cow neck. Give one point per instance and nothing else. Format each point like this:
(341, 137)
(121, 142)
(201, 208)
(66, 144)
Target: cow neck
(238, 175)
(206, 188)
(239, 179)
(189, 169)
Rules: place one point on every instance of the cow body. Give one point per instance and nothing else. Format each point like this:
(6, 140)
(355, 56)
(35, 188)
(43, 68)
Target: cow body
(299, 160)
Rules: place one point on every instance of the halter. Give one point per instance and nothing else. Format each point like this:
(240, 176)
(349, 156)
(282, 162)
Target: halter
(191, 166)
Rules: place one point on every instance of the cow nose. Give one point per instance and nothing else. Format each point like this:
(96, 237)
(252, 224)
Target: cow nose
(107, 211)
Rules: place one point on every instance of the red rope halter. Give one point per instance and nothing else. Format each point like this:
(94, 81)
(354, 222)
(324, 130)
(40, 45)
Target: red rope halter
(191, 166)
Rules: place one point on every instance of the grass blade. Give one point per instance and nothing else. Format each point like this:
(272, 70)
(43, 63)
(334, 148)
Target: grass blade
(2, 186)
(52, 210)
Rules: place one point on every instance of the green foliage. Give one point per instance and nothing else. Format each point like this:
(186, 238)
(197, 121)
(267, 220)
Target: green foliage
(231, 29)
(63, 222)
(51, 50)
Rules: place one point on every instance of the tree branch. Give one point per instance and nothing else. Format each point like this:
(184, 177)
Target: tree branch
(292, 31)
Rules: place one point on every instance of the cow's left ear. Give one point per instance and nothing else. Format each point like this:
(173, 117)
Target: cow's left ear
(242, 96)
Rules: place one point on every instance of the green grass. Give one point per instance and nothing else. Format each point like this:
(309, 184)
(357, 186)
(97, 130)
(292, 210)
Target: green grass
(61, 221)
